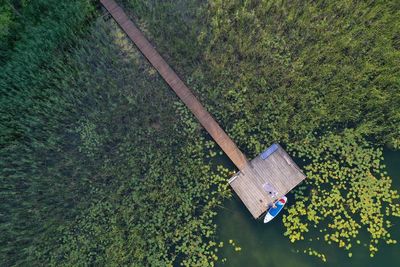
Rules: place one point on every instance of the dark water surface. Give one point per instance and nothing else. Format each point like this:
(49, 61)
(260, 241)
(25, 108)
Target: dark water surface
(264, 244)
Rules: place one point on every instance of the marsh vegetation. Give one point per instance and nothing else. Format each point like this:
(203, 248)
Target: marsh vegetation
(101, 164)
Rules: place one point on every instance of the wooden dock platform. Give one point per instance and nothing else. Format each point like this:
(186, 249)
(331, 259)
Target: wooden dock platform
(272, 170)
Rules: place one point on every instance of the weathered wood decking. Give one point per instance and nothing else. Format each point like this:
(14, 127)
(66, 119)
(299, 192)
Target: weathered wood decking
(278, 170)
(273, 169)
(183, 92)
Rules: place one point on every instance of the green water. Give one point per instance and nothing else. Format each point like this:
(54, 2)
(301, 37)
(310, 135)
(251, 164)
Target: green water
(264, 244)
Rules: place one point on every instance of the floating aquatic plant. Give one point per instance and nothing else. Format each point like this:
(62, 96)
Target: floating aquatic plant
(349, 193)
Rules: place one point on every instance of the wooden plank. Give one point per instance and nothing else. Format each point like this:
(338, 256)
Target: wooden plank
(268, 170)
(183, 92)
(278, 163)
(244, 190)
(250, 195)
(290, 169)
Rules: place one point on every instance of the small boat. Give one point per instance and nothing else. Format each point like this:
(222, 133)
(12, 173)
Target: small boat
(272, 212)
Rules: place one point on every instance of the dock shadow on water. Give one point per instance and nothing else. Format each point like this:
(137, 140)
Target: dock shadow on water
(265, 245)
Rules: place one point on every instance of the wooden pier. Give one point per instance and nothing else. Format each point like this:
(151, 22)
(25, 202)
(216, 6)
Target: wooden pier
(274, 172)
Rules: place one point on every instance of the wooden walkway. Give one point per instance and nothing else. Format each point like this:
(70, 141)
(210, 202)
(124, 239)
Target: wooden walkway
(183, 92)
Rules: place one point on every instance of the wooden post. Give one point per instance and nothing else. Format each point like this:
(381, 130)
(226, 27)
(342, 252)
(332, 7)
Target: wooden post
(183, 92)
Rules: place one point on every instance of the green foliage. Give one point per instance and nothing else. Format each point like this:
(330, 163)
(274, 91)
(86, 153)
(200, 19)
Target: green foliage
(289, 69)
(5, 21)
(161, 211)
(26, 76)
(128, 186)
(346, 192)
(40, 181)
(23, 23)
(173, 26)
(8, 15)
(89, 137)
